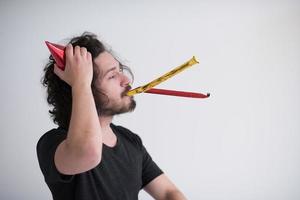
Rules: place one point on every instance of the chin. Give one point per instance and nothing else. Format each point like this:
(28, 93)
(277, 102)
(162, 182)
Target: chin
(131, 104)
(130, 98)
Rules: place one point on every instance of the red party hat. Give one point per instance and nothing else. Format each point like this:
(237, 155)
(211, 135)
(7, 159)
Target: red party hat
(58, 53)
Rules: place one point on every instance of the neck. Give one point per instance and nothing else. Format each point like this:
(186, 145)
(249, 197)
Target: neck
(105, 123)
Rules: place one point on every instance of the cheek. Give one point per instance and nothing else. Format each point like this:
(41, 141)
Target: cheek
(114, 93)
(112, 89)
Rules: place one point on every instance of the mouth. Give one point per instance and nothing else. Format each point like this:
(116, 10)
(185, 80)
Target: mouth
(127, 89)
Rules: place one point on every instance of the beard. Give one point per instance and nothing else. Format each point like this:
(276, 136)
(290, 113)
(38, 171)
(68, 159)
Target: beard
(111, 107)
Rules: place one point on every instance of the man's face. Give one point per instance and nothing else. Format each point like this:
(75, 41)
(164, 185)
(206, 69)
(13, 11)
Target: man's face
(114, 84)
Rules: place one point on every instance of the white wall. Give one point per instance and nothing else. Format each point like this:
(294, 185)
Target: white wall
(241, 143)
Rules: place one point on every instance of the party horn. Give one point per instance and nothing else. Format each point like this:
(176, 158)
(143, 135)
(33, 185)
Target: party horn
(148, 88)
(177, 93)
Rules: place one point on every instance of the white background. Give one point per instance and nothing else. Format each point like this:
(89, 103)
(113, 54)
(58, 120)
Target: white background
(241, 143)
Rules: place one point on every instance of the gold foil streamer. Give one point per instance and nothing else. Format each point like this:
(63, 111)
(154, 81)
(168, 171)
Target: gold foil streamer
(163, 78)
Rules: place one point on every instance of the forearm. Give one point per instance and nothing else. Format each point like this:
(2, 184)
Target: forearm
(84, 129)
(175, 195)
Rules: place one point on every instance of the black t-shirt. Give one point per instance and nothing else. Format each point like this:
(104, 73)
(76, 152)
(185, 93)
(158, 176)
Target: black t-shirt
(123, 171)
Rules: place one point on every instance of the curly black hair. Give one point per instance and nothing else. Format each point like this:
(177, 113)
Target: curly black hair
(59, 93)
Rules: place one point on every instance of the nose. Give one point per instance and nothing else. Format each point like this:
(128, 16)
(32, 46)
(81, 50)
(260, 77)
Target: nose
(125, 81)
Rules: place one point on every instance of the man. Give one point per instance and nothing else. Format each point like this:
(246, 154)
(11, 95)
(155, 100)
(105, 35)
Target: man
(88, 157)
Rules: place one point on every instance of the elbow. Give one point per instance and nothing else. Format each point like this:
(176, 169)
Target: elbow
(93, 155)
(89, 153)
(174, 194)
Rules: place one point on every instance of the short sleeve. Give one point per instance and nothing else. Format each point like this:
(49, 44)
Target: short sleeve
(46, 148)
(150, 169)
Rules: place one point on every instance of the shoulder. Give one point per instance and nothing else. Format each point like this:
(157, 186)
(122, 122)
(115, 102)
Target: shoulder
(52, 136)
(128, 134)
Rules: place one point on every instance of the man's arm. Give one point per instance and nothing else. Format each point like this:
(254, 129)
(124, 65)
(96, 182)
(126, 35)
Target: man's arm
(82, 149)
(161, 188)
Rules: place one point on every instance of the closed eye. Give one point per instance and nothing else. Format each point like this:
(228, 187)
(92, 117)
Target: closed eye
(112, 76)
(116, 71)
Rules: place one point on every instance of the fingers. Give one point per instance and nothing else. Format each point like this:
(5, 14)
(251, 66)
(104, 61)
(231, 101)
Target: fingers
(83, 51)
(69, 51)
(78, 65)
(89, 56)
(80, 52)
(77, 50)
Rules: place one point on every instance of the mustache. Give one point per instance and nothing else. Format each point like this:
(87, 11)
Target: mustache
(127, 89)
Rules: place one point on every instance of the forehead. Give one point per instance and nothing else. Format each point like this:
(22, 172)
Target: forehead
(106, 61)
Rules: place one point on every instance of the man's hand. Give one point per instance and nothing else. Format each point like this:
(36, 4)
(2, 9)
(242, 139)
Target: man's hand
(79, 67)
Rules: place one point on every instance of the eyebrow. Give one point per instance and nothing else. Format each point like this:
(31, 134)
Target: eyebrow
(111, 69)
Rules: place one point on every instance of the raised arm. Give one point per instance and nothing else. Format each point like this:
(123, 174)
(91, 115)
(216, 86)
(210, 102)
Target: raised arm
(82, 149)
